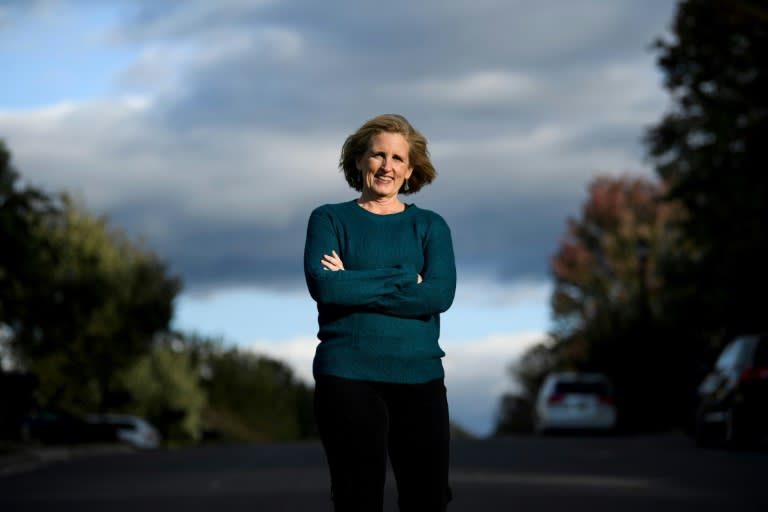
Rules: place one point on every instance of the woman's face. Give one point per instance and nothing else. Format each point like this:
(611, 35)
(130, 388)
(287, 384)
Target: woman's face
(385, 166)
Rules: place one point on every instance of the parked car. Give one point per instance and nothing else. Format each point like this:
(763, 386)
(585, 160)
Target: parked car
(132, 430)
(733, 397)
(49, 425)
(575, 401)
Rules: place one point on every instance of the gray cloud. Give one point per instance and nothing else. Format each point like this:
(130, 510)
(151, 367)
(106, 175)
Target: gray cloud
(226, 129)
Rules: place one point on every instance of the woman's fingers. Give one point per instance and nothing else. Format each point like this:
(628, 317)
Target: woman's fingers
(332, 261)
(328, 262)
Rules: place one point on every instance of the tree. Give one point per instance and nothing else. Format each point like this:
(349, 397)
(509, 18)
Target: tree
(653, 279)
(24, 268)
(710, 152)
(257, 393)
(164, 386)
(607, 259)
(609, 300)
(103, 301)
(514, 415)
(250, 397)
(515, 410)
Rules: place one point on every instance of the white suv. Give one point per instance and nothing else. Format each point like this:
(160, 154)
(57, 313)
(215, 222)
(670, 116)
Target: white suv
(575, 401)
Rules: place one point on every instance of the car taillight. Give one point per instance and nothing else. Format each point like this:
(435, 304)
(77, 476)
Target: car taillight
(606, 399)
(754, 374)
(556, 398)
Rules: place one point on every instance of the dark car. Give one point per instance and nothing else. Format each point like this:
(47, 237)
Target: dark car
(733, 397)
(57, 426)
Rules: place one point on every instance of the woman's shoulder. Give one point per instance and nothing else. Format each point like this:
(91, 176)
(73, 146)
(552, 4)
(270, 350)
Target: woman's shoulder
(426, 215)
(333, 208)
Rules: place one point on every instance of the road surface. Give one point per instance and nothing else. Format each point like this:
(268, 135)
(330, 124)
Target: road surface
(568, 473)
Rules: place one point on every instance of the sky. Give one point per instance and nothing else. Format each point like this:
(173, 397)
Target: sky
(211, 129)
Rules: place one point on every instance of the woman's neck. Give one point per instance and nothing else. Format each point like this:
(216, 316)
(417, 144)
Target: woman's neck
(381, 205)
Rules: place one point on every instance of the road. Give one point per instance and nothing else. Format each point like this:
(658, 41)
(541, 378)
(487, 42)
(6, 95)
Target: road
(641, 473)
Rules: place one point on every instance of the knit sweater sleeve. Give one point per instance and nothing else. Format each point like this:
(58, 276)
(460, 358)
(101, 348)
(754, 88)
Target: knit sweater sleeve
(360, 288)
(436, 292)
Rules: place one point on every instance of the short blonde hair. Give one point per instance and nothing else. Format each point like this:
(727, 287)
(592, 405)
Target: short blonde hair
(418, 155)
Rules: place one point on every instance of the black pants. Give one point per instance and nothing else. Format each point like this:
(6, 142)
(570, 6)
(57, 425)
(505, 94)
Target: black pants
(361, 422)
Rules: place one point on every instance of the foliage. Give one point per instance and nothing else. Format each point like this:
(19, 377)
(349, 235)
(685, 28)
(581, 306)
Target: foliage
(164, 387)
(25, 251)
(106, 300)
(609, 295)
(709, 150)
(514, 415)
(515, 410)
(250, 397)
(653, 279)
(262, 391)
(608, 305)
(533, 366)
(84, 315)
(608, 258)
(79, 300)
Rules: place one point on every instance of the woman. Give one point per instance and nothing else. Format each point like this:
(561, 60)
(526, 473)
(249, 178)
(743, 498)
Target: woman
(381, 272)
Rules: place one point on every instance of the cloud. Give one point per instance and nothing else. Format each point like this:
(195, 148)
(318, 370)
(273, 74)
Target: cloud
(478, 88)
(224, 130)
(223, 206)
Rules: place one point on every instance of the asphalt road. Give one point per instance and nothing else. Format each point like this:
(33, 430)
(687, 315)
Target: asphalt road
(571, 473)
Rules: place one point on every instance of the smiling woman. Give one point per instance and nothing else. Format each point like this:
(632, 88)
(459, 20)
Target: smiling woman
(384, 169)
(381, 272)
(364, 150)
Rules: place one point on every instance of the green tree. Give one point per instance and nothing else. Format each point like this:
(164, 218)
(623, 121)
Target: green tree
(105, 299)
(258, 393)
(250, 397)
(710, 151)
(25, 253)
(164, 387)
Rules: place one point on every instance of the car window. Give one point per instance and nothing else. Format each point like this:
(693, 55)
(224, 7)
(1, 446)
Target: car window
(593, 388)
(730, 356)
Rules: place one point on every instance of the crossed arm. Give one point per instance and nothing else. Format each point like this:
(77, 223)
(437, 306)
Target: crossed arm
(401, 290)
(334, 263)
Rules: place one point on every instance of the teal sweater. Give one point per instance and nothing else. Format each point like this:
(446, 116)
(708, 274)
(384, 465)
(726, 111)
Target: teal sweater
(376, 321)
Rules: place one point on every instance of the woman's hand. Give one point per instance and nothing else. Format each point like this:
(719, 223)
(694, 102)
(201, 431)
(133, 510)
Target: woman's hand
(332, 262)
(419, 279)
